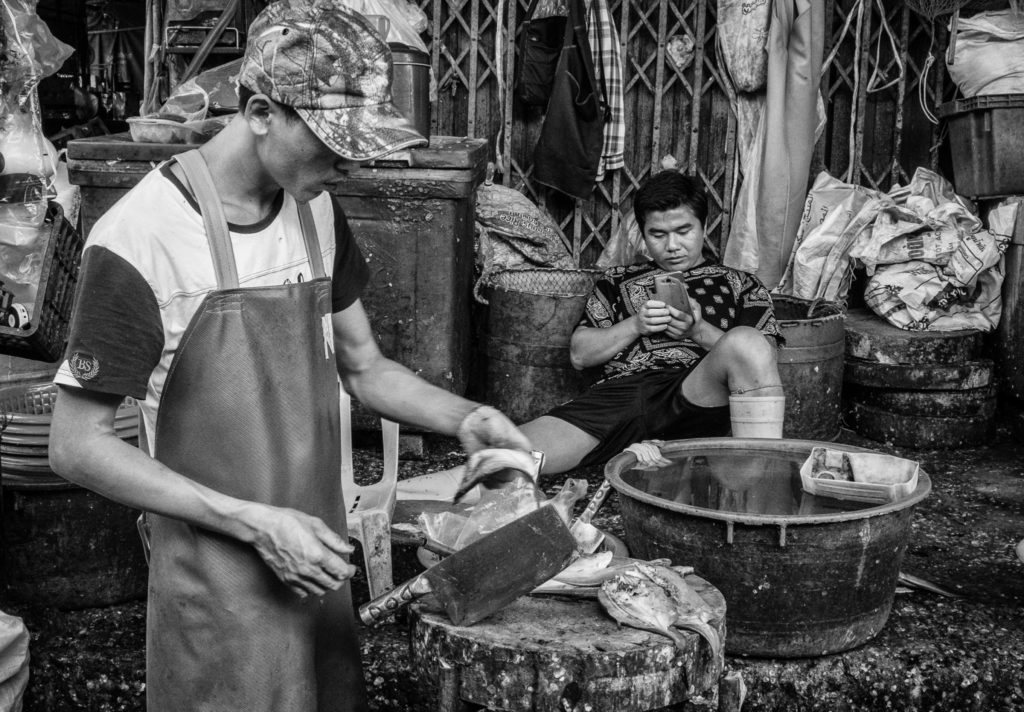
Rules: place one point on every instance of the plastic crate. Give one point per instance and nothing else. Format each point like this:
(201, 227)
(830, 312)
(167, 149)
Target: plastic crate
(986, 135)
(45, 338)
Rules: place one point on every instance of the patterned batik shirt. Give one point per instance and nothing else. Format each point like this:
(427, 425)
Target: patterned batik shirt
(727, 298)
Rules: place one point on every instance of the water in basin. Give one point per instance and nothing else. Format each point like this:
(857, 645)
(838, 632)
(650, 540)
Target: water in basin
(747, 482)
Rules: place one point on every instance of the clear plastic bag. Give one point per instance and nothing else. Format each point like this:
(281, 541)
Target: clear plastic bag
(498, 507)
(405, 21)
(32, 51)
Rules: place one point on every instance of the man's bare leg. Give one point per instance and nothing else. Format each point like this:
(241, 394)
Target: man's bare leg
(742, 364)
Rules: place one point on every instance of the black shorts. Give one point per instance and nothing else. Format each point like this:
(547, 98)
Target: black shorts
(644, 406)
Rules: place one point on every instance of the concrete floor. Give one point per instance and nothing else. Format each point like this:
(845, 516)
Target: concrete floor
(934, 653)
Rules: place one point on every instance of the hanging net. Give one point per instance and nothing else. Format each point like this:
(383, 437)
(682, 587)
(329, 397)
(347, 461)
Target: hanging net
(932, 9)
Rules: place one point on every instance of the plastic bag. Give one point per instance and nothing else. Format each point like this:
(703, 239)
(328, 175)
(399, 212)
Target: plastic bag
(23, 147)
(403, 19)
(495, 508)
(32, 54)
(189, 101)
(498, 507)
(989, 54)
(14, 662)
(218, 84)
(626, 245)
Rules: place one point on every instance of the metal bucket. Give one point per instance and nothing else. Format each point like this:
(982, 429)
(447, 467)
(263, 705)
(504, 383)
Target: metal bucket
(62, 545)
(15, 370)
(812, 583)
(531, 317)
(410, 86)
(811, 366)
(67, 547)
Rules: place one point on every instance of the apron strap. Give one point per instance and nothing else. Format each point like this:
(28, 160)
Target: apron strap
(308, 227)
(198, 174)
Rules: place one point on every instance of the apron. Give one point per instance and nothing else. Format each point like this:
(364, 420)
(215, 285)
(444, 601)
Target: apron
(250, 409)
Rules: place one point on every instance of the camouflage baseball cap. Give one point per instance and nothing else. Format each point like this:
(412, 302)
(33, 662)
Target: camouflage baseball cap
(331, 66)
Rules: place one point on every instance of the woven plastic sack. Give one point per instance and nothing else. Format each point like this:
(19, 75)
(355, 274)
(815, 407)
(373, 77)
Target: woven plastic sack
(989, 54)
(513, 233)
(836, 216)
(916, 296)
(963, 294)
(924, 221)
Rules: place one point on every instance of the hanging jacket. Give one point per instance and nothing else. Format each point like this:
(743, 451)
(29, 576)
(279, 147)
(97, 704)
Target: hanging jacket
(569, 148)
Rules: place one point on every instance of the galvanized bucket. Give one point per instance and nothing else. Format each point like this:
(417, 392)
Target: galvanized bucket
(811, 366)
(531, 317)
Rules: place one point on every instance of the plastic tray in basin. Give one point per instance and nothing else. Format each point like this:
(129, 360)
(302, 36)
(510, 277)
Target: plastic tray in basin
(877, 478)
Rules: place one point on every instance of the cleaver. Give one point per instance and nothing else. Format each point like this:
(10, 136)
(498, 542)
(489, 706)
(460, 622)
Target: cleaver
(490, 573)
(588, 537)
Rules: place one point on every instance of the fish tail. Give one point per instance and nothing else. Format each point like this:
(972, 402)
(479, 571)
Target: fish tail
(678, 638)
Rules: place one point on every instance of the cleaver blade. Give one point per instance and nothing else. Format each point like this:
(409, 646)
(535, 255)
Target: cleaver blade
(490, 573)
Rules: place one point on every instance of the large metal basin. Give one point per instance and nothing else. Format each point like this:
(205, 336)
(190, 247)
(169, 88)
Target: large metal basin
(801, 575)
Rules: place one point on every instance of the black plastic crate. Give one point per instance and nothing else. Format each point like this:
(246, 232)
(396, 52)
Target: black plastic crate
(47, 333)
(986, 135)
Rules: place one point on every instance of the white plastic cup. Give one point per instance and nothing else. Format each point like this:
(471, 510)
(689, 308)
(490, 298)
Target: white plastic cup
(757, 416)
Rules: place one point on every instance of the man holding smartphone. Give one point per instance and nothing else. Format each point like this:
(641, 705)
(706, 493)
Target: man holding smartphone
(666, 371)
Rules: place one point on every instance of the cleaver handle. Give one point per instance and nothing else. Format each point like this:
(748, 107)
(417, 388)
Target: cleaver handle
(388, 603)
(595, 502)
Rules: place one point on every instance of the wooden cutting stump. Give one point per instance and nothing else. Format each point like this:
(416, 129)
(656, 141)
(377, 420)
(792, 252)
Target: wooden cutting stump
(921, 432)
(919, 377)
(552, 654)
(969, 402)
(922, 406)
(869, 337)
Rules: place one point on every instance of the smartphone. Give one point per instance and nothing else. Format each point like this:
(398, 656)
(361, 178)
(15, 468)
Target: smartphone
(671, 289)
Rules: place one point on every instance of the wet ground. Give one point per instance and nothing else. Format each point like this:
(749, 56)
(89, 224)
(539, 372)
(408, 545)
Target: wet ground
(935, 652)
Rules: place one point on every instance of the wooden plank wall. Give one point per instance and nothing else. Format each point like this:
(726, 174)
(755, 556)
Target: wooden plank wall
(874, 136)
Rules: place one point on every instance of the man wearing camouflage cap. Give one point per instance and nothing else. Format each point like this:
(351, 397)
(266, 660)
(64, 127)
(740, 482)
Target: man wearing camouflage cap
(223, 293)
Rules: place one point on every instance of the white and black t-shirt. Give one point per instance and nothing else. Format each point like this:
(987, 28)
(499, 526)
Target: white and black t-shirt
(146, 268)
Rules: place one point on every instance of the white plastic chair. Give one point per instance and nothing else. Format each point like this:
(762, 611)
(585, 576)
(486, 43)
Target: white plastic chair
(370, 506)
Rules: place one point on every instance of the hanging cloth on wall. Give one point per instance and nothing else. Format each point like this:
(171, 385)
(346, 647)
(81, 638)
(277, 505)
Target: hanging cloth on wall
(569, 147)
(540, 46)
(604, 42)
(795, 53)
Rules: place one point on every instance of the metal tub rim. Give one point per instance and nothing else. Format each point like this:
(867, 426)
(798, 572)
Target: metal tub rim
(626, 460)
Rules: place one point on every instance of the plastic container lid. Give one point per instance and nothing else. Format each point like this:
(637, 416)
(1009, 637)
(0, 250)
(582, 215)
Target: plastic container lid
(982, 101)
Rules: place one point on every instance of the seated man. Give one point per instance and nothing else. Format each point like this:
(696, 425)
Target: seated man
(666, 373)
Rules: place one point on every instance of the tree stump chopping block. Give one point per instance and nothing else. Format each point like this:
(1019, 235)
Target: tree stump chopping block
(869, 337)
(551, 654)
